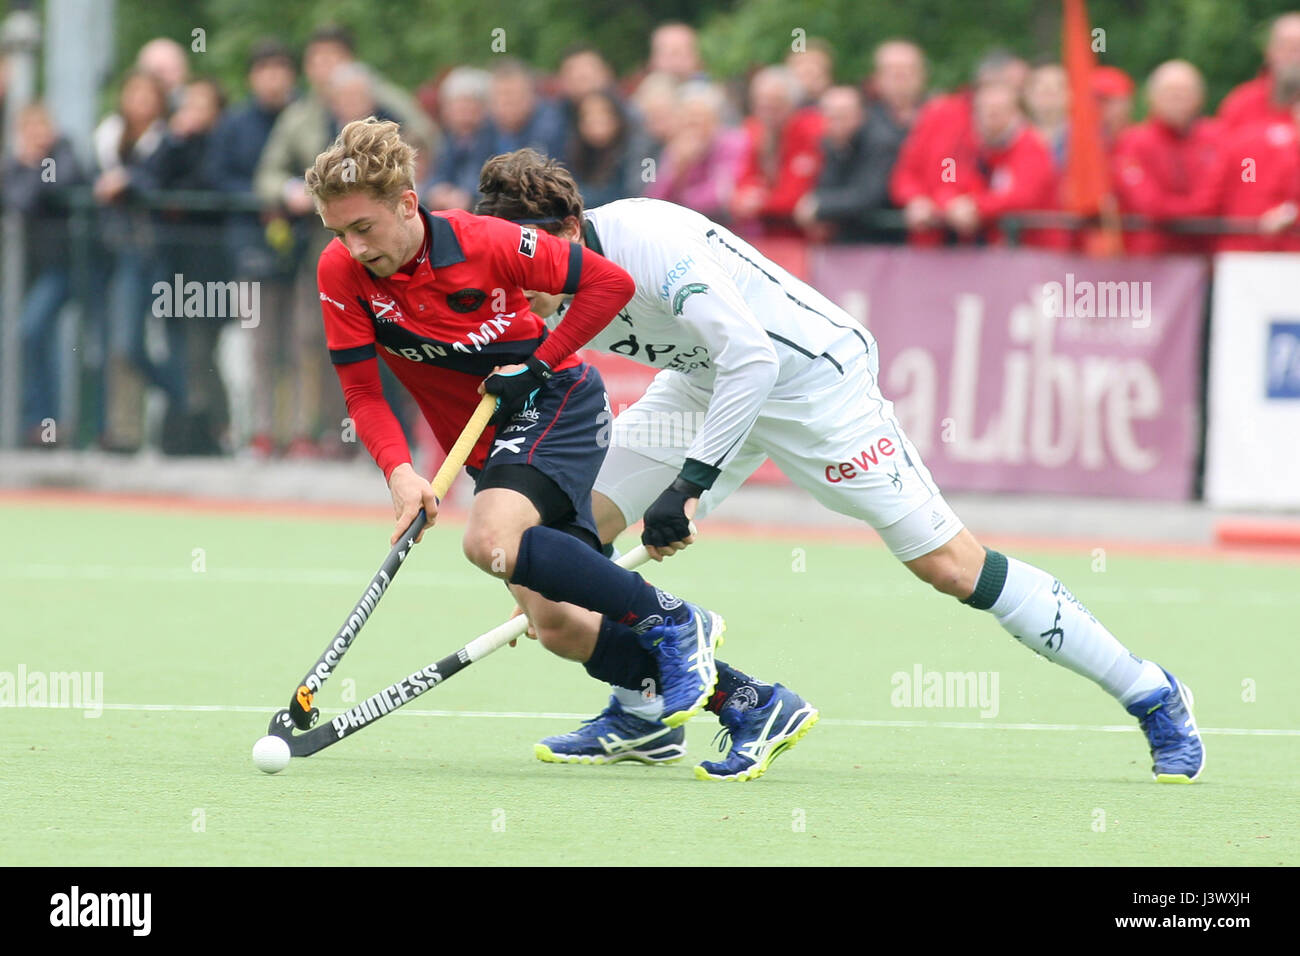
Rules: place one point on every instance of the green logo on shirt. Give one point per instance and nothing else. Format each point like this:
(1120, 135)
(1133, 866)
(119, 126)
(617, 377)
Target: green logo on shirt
(684, 293)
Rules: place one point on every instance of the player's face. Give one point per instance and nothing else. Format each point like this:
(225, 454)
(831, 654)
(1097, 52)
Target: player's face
(383, 238)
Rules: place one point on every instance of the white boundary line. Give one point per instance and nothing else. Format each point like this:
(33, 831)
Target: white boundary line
(329, 577)
(830, 721)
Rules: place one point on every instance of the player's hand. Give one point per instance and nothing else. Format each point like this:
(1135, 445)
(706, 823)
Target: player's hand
(410, 494)
(111, 184)
(962, 214)
(919, 213)
(514, 385)
(805, 211)
(531, 632)
(668, 521)
(747, 202)
(1278, 218)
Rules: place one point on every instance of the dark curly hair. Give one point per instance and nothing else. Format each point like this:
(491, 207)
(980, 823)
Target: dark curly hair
(525, 185)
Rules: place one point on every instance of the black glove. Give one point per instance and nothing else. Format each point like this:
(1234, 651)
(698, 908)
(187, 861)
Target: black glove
(665, 520)
(515, 388)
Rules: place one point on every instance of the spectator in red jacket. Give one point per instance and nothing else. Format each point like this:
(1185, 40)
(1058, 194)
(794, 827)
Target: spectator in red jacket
(937, 160)
(1014, 172)
(1163, 164)
(1258, 177)
(782, 156)
(1113, 89)
(1257, 99)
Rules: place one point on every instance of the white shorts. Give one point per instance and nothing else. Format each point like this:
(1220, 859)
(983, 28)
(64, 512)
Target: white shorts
(835, 436)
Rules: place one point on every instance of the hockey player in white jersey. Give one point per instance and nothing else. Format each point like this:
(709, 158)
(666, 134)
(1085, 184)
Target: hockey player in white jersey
(773, 369)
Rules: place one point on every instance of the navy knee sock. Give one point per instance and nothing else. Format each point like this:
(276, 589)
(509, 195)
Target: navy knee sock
(731, 681)
(559, 567)
(618, 659)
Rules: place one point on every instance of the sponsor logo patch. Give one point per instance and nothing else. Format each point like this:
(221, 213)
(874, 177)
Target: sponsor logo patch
(873, 456)
(684, 293)
(385, 308)
(466, 300)
(527, 241)
(675, 274)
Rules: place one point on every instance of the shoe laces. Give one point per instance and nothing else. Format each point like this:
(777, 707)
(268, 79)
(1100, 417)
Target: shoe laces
(722, 739)
(1160, 727)
(669, 649)
(611, 711)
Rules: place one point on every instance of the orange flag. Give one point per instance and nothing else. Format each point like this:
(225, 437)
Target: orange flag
(1086, 187)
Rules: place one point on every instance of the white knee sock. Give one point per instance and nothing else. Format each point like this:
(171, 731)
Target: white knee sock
(1042, 614)
(635, 702)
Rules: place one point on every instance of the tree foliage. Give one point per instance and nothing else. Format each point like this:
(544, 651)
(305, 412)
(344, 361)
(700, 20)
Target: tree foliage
(410, 41)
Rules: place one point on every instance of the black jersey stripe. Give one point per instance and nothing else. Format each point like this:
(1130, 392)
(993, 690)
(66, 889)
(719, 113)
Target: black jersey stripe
(575, 269)
(479, 359)
(713, 234)
(348, 356)
(590, 238)
(803, 351)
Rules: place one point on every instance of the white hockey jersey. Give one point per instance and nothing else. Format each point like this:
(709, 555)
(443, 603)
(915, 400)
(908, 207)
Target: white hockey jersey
(709, 306)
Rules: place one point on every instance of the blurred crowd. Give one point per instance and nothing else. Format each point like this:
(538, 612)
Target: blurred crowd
(786, 153)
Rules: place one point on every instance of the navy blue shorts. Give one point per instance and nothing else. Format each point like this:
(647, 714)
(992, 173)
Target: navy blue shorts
(550, 451)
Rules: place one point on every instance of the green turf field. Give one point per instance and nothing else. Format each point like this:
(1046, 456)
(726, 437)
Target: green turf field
(117, 591)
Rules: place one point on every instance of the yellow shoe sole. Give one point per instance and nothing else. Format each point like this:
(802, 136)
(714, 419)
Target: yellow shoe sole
(547, 755)
(756, 771)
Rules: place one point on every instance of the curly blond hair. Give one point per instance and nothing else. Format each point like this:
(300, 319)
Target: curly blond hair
(368, 154)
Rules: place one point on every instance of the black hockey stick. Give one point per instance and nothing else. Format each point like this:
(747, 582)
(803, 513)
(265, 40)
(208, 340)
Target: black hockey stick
(402, 692)
(301, 712)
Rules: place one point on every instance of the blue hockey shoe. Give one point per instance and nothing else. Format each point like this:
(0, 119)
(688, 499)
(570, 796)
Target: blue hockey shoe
(683, 647)
(1166, 718)
(758, 735)
(614, 735)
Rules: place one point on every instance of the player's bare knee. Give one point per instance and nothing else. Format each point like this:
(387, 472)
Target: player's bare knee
(610, 522)
(491, 550)
(952, 580)
(561, 640)
(943, 574)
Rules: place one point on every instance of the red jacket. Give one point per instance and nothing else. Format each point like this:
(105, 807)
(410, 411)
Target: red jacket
(1162, 173)
(460, 312)
(1270, 178)
(1018, 176)
(1251, 102)
(937, 159)
(930, 162)
(799, 163)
